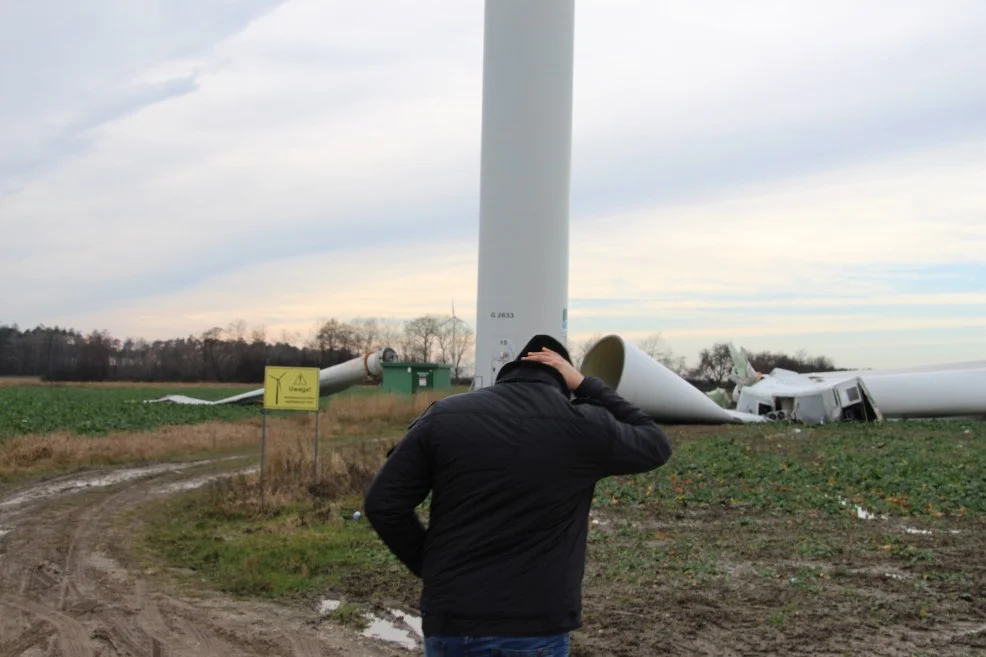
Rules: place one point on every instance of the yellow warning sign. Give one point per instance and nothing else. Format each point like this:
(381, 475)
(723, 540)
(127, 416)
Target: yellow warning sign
(291, 388)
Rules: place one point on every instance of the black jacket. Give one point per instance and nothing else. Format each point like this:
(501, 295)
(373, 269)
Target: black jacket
(512, 470)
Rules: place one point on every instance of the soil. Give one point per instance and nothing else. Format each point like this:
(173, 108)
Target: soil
(762, 595)
(691, 583)
(69, 586)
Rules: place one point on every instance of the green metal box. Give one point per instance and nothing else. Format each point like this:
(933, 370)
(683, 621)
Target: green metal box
(407, 378)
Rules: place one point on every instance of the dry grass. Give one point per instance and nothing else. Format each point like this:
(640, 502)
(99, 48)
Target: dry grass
(345, 467)
(344, 471)
(6, 381)
(63, 450)
(346, 419)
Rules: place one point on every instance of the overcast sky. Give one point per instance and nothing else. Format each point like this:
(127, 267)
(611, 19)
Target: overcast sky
(783, 174)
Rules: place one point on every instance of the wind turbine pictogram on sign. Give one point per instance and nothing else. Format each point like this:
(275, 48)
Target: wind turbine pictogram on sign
(277, 387)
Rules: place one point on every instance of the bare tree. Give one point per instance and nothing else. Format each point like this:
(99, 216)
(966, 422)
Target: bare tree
(582, 348)
(465, 343)
(237, 330)
(446, 338)
(422, 333)
(333, 338)
(290, 337)
(655, 347)
(366, 334)
(454, 338)
(714, 364)
(393, 335)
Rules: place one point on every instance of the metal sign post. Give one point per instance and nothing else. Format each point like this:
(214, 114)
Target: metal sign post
(315, 466)
(263, 441)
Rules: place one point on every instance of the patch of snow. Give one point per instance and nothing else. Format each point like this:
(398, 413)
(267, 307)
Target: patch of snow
(4, 532)
(328, 606)
(862, 513)
(915, 530)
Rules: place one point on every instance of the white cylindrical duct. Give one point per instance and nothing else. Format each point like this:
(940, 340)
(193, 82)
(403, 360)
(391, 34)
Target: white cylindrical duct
(331, 380)
(524, 178)
(929, 394)
(651, 386)
(339, 377)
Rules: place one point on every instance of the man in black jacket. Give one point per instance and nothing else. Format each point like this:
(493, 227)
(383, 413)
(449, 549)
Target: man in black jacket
(512, 470)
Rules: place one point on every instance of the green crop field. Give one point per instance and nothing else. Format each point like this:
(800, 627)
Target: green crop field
(899, 468)
(92, 411)
(99, 410)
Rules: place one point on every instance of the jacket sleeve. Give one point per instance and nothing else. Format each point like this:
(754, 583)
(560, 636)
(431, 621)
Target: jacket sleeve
(632, 441)
(396, 491)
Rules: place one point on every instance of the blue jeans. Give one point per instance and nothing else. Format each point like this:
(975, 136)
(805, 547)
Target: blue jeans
(497, 646)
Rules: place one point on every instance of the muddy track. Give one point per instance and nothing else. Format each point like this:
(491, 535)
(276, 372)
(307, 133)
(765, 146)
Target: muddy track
(63, 594)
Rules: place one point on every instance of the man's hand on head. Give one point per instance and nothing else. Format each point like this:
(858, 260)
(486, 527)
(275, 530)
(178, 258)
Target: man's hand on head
(573, 378)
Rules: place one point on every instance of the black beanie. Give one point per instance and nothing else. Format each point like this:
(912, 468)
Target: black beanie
(535, 344)
(540, 341)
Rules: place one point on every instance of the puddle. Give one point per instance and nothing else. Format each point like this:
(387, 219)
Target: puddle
(383, 629)
(413, 621)
(93, 481)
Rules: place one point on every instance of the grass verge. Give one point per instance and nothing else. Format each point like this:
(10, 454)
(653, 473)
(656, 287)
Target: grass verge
(741, 541)
(285, 537)
(344, 418)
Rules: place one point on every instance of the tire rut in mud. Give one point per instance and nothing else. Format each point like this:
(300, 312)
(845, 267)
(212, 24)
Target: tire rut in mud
(62, 589)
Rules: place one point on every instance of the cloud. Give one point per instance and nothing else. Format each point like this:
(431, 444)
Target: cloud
(701, 98)
(166, 166)
(70, 68)
(677, 270)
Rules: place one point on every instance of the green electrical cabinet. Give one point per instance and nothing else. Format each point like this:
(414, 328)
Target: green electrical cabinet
(405, 378)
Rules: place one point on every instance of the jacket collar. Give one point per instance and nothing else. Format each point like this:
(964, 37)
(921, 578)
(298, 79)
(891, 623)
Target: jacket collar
(528, 372)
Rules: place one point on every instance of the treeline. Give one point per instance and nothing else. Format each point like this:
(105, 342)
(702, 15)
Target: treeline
(716, 363)
(235, 354)
(226, 355)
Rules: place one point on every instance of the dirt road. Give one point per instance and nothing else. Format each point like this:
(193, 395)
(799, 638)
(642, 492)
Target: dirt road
(65, 589)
